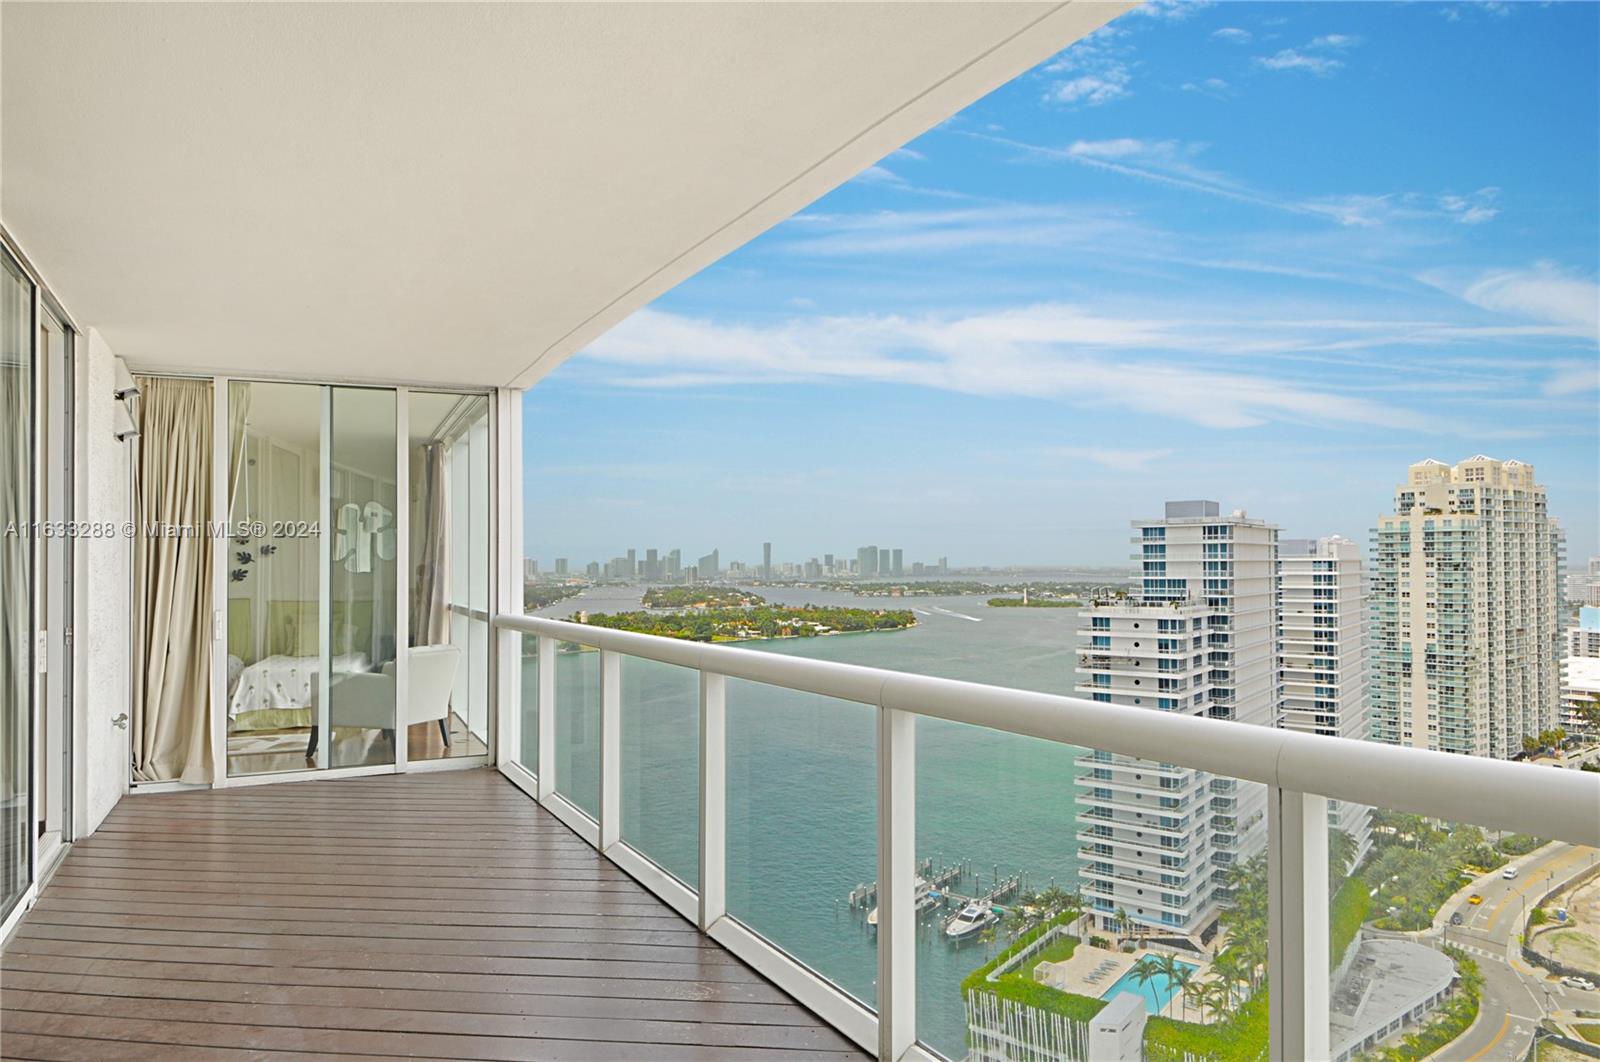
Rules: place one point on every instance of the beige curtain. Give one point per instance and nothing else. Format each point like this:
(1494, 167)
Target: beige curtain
(430, 557)
(172, 582)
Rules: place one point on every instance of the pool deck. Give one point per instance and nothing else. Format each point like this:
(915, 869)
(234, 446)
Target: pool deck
(1072, 974)
(1106, 967)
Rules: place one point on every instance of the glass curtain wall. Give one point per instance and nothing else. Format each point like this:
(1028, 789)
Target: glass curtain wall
(16, 579)
(448, 443)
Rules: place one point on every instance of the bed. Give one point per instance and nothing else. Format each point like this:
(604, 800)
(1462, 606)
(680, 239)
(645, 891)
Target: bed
(277, 692)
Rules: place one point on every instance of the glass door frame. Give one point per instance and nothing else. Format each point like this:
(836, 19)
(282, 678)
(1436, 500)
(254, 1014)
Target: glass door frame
(221, 458)
(54, 486)
(57, 594)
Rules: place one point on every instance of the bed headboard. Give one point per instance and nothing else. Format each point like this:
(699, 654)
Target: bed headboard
(292, 628)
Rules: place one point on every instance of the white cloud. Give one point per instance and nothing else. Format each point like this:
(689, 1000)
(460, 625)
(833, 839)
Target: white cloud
(1054, 351)
(1214, 87)
(1091, 90)
(1575, 378)
(909, 153)
(1116, 460)
(1542, 294)
(1233, 35)
(1334, 40)
(1474, 209)
(879, 175)
(970, 228)
(1289, 59)
(1176, 10)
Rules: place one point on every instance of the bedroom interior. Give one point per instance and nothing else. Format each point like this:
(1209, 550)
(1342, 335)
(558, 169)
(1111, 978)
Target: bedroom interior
(316, 597)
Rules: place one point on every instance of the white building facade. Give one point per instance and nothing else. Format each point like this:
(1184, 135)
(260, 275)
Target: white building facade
(1466, 631)
(1322, 653)
(1199, 637)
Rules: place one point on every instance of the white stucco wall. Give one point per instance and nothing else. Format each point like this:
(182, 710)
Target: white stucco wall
(101, 751)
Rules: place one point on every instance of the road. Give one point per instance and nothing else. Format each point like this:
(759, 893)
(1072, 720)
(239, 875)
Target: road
(1515, 994)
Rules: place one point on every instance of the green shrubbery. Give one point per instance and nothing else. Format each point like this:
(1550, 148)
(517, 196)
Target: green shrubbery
(1518, 843)
(1418, 865)
(979, 978)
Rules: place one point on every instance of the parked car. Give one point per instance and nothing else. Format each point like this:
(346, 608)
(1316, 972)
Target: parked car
(1578, 982)
(1475, 899)
(1509, 873)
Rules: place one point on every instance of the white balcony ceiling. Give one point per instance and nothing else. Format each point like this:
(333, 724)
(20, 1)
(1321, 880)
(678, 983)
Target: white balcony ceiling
(452, 193)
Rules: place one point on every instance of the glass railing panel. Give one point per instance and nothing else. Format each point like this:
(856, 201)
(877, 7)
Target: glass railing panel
(1060, 885)
(578, 727)
(661, 765)
(802, 827)
(528, 752)
(1461, 940)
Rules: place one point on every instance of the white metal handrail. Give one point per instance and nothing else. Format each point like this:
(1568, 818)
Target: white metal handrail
(1558, 804)
(1300, 770)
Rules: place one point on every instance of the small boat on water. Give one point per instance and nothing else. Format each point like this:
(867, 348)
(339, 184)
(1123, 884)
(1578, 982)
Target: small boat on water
(969, 922)
(927, 899)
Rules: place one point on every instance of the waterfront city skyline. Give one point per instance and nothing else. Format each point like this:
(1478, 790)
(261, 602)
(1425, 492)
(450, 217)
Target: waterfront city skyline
(1257, 252)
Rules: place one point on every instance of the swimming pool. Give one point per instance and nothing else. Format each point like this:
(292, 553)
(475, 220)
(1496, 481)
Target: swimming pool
(1157, 992)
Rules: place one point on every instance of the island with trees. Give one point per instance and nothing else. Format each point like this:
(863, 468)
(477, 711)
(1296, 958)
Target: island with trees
(753, 618)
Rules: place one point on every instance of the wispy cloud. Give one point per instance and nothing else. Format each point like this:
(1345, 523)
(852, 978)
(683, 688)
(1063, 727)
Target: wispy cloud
(1215, 87)
(1174, 163)
(1116, 460)
(1051, 351)
(1091, 89)
(966, 229)
(1094, 71)
(1290, 59)
(1540, 294)
(1233, 35)
(1172, 10)
(1574, 378)
(1316, 57)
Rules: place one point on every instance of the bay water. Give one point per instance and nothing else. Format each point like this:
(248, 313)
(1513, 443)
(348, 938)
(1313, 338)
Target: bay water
(801, 781)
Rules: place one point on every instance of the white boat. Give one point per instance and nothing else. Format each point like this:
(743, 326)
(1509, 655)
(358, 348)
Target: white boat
(969, 922)
(926, 901)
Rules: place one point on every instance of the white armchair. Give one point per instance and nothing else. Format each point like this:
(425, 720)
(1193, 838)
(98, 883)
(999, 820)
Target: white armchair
(366, 699)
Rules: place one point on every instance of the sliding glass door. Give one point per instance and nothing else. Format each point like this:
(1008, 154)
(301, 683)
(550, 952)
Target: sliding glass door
(16, 581)
(273, 613)
(362, 585)
(347, 645)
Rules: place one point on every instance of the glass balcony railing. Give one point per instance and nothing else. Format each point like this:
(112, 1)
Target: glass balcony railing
(925, 861)
(577, 719)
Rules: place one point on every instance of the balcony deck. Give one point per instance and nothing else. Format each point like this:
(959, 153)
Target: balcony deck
(443, 915)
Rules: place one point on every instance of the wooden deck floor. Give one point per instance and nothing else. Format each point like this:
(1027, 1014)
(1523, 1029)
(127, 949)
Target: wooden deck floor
(435, 915)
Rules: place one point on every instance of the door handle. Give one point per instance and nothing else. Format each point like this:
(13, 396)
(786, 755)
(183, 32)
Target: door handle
(121, 721)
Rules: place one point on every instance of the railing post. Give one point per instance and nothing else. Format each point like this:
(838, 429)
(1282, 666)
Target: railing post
(897, 875)
(1297, 924)
(713, 798)
(610, 748)
(546, 722)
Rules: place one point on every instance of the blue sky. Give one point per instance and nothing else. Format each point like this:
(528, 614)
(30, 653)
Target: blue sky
(1264, 253)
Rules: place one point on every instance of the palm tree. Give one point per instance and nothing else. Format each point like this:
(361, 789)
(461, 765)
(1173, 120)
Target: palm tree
(1341, 854)
(1195, 992)
(1176, 973)
(1123, 920)
(1218, 997)
(1146, 969)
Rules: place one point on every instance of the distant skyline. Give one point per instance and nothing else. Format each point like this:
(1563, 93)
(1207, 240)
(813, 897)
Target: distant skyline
(1268, 254)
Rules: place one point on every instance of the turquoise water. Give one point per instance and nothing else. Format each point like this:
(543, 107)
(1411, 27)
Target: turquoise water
(801, 787)
(1157, 992)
